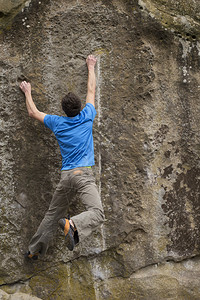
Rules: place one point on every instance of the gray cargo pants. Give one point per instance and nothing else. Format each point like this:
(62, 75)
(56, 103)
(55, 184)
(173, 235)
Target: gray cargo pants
(78, 181)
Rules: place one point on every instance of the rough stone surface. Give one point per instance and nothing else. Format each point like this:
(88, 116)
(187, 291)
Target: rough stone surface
(16, 296)
(6, 6)
(9, 9)
(182, 17)
(147, 149)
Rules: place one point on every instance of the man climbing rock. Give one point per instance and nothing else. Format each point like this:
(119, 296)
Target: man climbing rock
(74, 135)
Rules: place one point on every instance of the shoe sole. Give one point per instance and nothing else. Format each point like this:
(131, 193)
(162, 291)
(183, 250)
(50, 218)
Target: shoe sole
(69, 240)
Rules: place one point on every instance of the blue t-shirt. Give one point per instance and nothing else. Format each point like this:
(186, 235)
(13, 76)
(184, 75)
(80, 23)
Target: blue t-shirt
(74, 136)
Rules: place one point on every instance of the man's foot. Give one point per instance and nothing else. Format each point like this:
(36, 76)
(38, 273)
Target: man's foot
(69, 230)
(31, 256)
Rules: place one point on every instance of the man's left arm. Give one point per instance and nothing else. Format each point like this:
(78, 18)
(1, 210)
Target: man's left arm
(30, 105)
(91, 84)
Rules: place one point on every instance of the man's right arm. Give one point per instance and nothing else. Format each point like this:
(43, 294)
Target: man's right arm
(91, 84)
(30, 105)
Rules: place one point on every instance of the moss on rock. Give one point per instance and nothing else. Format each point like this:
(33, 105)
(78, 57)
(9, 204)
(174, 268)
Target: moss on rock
(182, 17)
(8, 10)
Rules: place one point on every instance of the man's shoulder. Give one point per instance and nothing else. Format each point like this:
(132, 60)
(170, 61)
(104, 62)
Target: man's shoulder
(51, 121)
(54, 117)
(89, 111)
(88, 104)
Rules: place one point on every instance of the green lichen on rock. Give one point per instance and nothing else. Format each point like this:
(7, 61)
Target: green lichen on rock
(73, 280)
(182, 17)
(8, 10)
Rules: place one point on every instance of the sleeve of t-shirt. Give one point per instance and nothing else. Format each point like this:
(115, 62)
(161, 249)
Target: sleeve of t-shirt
(51, 122)
(89, 111)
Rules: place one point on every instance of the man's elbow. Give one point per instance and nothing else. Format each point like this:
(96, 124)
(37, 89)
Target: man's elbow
(33, 114)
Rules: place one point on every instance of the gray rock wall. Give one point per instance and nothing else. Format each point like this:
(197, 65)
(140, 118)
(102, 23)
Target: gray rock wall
(146, 148)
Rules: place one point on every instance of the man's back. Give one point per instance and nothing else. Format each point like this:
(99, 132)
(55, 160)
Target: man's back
(74, 136)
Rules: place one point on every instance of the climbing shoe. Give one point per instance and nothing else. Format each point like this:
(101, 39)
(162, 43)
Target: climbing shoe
(31, 256)
(68, 232)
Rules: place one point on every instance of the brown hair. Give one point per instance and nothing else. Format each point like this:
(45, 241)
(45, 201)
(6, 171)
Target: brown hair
(71, 104)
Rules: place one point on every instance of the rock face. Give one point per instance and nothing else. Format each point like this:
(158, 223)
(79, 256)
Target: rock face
(147, 148)
(9, 9)
(16, 296)
(182, 17)
(6, 6)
